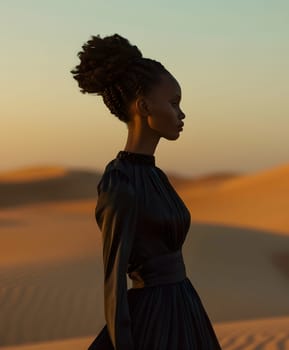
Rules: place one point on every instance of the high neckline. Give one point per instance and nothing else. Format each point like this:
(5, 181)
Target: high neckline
(141, 158)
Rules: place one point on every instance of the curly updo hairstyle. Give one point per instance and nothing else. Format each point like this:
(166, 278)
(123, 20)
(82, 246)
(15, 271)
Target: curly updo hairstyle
(116, 70)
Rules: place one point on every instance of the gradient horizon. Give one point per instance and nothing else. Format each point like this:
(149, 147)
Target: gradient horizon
(230, 58)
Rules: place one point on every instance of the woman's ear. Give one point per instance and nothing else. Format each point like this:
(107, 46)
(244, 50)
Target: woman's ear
(142, 107)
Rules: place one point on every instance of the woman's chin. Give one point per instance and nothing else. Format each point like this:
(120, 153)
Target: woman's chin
(172, 137)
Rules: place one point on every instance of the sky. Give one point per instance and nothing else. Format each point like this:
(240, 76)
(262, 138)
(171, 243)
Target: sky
(231, 59)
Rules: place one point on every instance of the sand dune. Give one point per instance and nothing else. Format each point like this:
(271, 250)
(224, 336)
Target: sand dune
(204, 181)
(257, 334)
(66, 344)
(34, 186)
(236, 255)
(31, 174)
(259, 201)
(44, 233)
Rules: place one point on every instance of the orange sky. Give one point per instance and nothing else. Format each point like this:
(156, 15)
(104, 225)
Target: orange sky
(231, 61)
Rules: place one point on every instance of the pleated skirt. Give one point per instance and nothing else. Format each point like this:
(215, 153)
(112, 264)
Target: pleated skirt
(166, 317)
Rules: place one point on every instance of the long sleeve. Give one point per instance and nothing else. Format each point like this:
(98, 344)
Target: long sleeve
(116, 215)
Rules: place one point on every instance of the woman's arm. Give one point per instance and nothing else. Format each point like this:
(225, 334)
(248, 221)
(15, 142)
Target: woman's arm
(115, 214)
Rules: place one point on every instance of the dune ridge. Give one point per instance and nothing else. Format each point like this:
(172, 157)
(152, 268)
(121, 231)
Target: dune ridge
(29, 174)
(259, 200)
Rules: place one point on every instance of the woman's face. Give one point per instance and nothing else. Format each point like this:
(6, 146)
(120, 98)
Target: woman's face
(165, 115)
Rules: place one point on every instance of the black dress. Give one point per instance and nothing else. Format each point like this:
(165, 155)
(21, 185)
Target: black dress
(144, 224)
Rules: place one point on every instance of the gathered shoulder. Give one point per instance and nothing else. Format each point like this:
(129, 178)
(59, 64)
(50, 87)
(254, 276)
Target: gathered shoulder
(115, 178)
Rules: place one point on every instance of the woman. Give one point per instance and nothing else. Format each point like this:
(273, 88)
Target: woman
(143, 221)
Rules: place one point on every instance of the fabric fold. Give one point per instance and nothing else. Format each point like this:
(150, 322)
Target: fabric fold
(116, 213)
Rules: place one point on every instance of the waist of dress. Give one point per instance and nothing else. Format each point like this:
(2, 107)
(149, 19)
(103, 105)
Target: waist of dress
(159, 270)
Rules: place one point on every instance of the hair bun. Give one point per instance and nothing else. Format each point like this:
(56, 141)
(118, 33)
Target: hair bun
(103, 61)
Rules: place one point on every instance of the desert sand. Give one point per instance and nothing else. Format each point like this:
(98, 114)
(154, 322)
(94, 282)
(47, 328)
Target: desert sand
(236, 255)
(268, 334)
